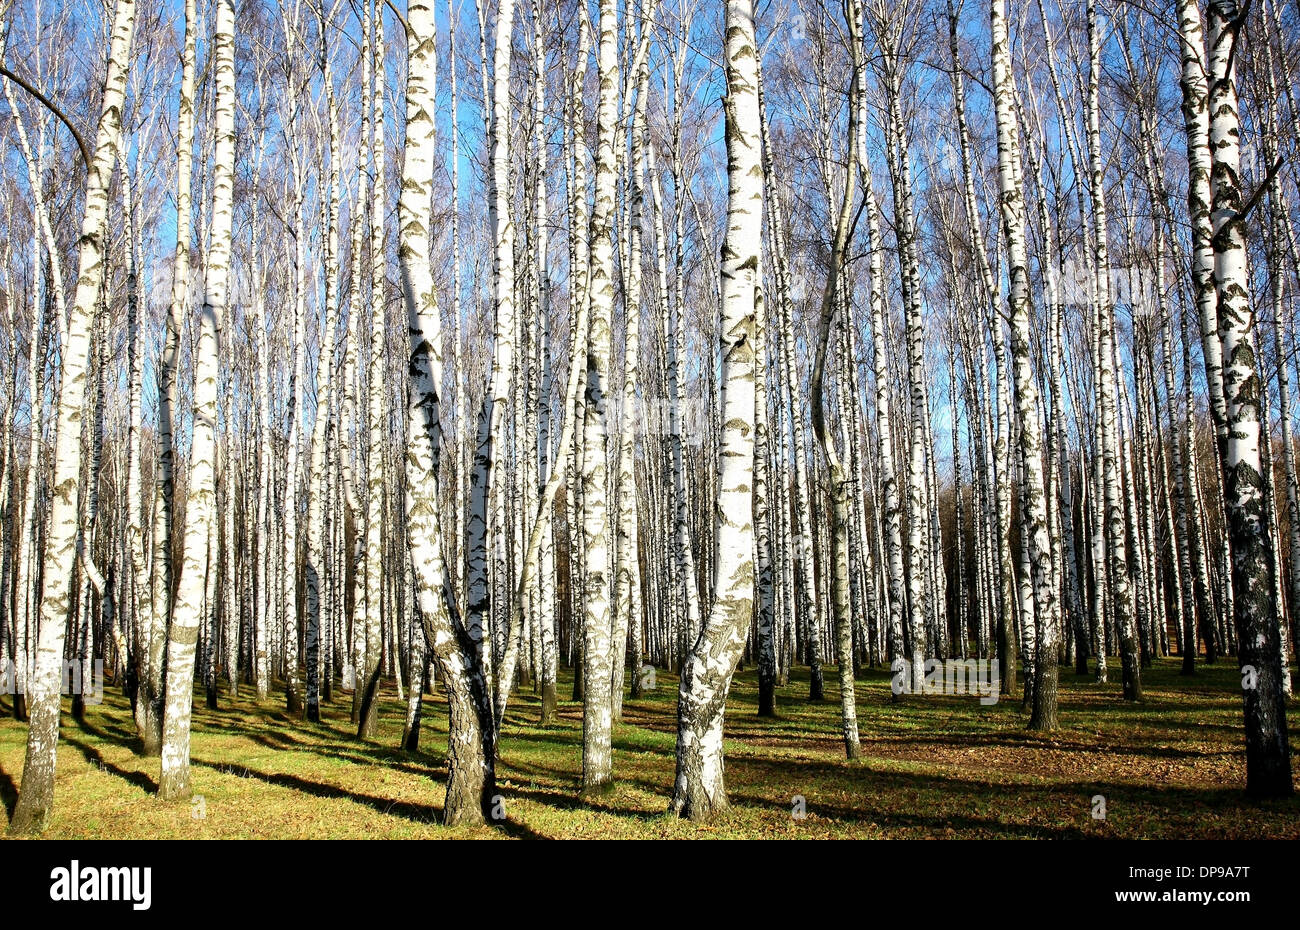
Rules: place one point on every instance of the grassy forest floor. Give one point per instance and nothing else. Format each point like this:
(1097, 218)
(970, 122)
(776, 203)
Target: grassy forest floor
(1171, 767)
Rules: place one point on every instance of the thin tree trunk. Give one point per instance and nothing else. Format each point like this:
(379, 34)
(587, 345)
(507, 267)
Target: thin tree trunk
(174, 783)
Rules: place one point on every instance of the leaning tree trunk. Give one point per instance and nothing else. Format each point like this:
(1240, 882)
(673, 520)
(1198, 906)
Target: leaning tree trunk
(471, 781)
(36, 795)
(541, 529)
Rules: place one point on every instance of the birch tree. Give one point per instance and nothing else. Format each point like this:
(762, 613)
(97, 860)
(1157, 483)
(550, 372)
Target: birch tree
(838, 478)
(200, 508)
(1011, 201)
(36, 794)
(699, 791)
(1268, 757)
(597, 673)
(471, 784)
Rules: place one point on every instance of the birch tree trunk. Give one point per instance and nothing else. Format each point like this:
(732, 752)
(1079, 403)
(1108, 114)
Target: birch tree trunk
(1011, 203)
(766, 612)
(898, 154)
(351, 412)
(1268, 757)
(187, 615)
(262, 571)
(540, 537)
(368, 672)
(684, 553)
(149, 703)
(597, 762)
(484, 480)
(293, 403)
(839, 481)
(314, 570)
(893, 539)
(627, 580)
(471, 780)
(699, 791)
(36, 794)
(1194, 84)
(1116, 545)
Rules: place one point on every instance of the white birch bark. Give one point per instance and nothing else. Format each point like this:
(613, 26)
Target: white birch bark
(149, 702)
(471, 784)
(1268, 758)
(36, 794)
(699, 791)
(369, 670)
(315, 568)
(597, 677)
(1011, 204)
(484, 482)
(187, 614)
(1116, 542)
(293, 403)
(627, 572)
(840, 598)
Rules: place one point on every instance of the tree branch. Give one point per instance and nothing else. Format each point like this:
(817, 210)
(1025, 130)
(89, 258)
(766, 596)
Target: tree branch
(1259, 191)
(406, 30)
(53, 108)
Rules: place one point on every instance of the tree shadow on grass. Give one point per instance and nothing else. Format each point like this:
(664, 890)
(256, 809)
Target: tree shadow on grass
(114, 734)
(550, 783)
(96, 758)
(416, 813)
(358, 752)
(1029, 742)
(938, 824)
(519, 831)
(8, 793)
(890, 799)
(391, 760)
(936, 803)
(424, 814)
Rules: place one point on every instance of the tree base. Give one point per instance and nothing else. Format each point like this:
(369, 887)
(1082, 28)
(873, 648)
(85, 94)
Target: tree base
(548, 704)
(816, 684)
(29, 820)
(597, 790)
(411, 739)
(698, 807)
(175, 786)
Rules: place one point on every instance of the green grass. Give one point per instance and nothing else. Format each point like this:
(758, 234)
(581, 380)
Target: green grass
(1173, 766)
